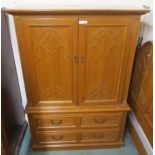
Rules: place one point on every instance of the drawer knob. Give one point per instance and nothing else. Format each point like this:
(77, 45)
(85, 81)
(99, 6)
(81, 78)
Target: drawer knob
(98, 136)
(99, 120)
(57, 137)
(56, 122)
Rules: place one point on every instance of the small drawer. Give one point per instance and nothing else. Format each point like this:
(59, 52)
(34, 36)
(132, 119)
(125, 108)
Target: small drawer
(45, 138)
(104, 135)
(103, 120)
(46, 122)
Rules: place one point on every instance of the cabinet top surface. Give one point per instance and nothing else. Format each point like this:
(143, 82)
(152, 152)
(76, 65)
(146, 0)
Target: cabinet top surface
(76, 9)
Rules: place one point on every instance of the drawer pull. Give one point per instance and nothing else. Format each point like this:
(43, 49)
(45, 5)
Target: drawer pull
(56, 122)
(58, 137)
(98, 136)
(99, 120)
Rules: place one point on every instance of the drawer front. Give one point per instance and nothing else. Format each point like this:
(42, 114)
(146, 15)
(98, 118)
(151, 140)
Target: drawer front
(43, 122)
(96, 136)
(104, 120)
(45, 138)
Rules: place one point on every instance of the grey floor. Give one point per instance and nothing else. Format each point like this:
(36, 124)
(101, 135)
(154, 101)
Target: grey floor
(127, 149)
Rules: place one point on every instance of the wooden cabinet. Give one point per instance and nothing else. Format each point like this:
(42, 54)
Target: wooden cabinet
(77, 66)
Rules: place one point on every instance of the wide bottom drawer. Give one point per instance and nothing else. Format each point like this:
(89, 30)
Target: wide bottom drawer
(99, 135)
(46, 138)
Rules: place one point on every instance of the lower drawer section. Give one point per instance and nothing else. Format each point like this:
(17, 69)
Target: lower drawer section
(77, 130)
(78, 136)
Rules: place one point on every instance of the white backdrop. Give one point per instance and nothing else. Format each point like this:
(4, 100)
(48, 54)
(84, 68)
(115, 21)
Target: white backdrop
(75, 2)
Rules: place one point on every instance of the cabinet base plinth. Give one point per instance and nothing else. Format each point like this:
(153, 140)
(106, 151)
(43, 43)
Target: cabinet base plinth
(77, 146)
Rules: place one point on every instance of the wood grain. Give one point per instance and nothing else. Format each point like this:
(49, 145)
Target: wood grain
(48, 48)
(44, 133)
(47, 138)
(76, 109)
(97, 145)
(97, 11)
(141, 89)
(109, 135)
(104, 45)
(77, 67)
(49, 122)
(101, 120)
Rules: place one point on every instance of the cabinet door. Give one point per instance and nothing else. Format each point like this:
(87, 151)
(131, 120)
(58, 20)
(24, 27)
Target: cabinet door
(104, 46)
(48, 46)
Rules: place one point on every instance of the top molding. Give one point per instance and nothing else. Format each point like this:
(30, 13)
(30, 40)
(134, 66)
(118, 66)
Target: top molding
(76, 10)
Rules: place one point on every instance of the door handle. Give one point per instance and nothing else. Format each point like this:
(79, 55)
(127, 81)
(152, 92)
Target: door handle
(76, 59)
(82, 60)
(79, 60)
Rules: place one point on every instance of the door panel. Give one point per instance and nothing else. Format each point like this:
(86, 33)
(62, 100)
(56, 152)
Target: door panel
(48, 48)
(102, 67)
